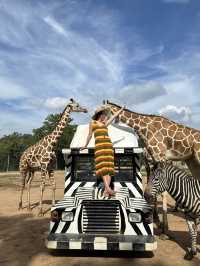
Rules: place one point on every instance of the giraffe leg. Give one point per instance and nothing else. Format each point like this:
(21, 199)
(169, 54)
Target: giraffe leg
(42, 186)
(155, 213)
(31, 175)
(53, 185)
(192, 251)
(22, 185)
(164, 234)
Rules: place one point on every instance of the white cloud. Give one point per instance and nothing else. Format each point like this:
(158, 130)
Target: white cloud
(11, 90)
(181, 113)
(20, 121)
(140, 52)
(181, 78)
(61, 49)
(141, 93)
(65, 66)
(55, 25)
(55, 103)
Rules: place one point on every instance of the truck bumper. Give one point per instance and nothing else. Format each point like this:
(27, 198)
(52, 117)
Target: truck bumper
(101, 242)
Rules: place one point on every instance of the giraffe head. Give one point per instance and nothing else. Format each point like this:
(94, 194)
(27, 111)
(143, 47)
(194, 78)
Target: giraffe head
(111, 106)
(75, 107)
(72, 106)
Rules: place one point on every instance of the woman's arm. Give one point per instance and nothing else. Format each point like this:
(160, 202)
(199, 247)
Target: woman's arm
(89, 136)
(114, 116)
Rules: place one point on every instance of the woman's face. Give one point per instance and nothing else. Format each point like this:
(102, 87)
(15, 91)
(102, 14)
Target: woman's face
(103, 118)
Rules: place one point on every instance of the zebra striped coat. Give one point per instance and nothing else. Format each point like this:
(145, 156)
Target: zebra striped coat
(186, 192)
(182, 187)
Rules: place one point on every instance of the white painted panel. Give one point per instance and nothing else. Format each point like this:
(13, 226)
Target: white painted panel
(133, 189)
(71, 190)
(125, 246)
(100, 243)
(122, 136)
(74, 244)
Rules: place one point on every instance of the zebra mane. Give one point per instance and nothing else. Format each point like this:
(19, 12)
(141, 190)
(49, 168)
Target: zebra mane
(178, 170)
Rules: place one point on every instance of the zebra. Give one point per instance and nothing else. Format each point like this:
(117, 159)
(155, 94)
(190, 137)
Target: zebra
(186, 192)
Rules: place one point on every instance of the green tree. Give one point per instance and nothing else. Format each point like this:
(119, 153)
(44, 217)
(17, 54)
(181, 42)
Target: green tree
(12, 146)
(48, 126)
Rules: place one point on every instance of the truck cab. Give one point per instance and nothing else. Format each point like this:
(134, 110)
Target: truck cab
(85, 219)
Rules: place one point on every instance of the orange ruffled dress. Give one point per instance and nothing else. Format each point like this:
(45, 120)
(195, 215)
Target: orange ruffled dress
(104, 153)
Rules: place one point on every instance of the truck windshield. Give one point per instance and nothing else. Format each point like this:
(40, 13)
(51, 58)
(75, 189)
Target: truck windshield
(84, 167)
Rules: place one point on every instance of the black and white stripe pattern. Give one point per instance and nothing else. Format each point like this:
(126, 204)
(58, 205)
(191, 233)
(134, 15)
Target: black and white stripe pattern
(91, 150)
(135, 188)
(68, 171)
(92, 242)
(186, 192)
(70, 203)
(129, 198)
(91, 193)
(137, 163)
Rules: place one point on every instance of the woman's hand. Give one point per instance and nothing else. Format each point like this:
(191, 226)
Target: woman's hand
(114, 116)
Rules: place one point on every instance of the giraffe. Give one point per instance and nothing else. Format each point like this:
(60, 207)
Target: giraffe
(41, 156)
(164, 140)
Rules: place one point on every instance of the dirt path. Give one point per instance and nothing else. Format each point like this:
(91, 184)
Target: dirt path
(22, 236)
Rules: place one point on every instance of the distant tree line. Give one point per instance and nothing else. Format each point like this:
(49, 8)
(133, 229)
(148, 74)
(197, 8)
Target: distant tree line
(12, 146)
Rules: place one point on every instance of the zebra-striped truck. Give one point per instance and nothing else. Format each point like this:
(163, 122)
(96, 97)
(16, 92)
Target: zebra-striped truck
(87, 220)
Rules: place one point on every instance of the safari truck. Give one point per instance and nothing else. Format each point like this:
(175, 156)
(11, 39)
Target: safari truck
(85, 219)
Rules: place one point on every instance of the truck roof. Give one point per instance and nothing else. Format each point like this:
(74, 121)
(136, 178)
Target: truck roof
(122, 136)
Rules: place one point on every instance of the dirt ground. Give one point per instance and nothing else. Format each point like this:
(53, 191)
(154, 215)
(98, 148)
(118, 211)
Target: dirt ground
(22, 235)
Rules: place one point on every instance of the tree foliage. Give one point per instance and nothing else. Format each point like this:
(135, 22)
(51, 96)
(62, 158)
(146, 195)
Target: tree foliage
(13, 145)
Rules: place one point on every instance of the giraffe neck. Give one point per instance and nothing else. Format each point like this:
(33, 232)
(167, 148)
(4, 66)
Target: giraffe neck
(137, 121)
(58, 131)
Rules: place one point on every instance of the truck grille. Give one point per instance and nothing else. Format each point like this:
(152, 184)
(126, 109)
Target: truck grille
(101, 217)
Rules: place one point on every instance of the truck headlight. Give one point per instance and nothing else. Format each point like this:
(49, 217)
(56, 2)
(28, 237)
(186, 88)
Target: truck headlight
(67, 216)
(135, 217)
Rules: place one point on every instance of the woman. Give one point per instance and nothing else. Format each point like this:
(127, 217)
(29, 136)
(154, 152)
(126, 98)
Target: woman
(104, 154)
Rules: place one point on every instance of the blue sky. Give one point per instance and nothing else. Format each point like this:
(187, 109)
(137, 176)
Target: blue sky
(141, 53)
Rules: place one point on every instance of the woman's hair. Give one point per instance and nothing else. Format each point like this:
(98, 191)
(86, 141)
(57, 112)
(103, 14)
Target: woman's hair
(99, 114)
